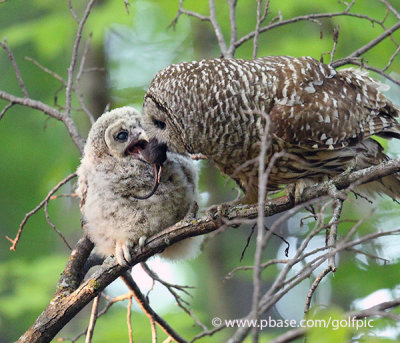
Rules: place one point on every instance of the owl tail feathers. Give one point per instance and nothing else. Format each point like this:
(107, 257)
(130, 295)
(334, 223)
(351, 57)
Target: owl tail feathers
(389, 185)
(186, 249)
(371, 153)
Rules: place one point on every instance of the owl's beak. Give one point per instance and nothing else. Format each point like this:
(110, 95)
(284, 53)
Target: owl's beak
(153, 153)
(136, 147)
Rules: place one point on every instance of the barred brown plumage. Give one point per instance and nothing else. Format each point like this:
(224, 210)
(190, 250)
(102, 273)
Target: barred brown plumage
(325, 117)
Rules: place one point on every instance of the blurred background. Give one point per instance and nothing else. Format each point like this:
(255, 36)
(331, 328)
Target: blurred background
(126, 51)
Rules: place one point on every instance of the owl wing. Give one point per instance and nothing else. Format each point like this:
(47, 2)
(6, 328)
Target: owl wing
(316, 107)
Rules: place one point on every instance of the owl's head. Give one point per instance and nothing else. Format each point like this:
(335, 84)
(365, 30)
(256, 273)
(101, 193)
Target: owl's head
(162, 124)
(117, 133)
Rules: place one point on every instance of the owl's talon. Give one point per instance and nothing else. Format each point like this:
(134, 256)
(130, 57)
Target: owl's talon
(295, 190)
(122, 254)
(218, 210)
(141, 243)
(192, 213)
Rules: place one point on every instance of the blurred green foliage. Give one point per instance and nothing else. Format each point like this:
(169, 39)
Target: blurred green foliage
(37, 152)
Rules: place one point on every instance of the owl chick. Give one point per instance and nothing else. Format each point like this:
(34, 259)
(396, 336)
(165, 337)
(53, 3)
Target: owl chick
(323, 117)
(111, 176)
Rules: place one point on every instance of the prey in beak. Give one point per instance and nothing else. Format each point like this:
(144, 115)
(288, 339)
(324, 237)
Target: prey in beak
(150, 152)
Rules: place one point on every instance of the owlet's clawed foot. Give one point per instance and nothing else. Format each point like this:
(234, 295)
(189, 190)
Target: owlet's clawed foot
(221, 210)
(122, 253)
(123, 250)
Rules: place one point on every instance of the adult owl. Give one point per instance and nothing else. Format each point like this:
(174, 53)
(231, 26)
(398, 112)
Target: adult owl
(323, 118)
(113, 174)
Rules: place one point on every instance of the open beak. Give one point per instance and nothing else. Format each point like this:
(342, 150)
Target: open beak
(135, 148)
(150, 153)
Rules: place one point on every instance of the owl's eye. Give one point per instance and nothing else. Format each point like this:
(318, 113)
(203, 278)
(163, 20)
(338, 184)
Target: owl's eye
(121, 136)
(158, 123)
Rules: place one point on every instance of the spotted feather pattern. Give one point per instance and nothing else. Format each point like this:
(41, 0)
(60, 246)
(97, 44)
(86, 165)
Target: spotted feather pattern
(219, 108)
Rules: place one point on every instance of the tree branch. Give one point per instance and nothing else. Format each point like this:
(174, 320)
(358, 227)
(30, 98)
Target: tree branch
(62, 308)
(37, 208)
(150, 313)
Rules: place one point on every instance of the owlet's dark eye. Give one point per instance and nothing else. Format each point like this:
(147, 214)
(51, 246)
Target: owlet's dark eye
(121, 136)
(158, 123)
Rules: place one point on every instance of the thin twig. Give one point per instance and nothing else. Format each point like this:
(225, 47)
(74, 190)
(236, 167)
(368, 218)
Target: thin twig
(391, 59)
(93, 318)
(50, 111)
(74, 58)
(232, 19)
(68, 195)
(332, 231)
(335, 41)
(46, 70)
(217, 29)
(371, 44)
(46, 213)
(15, 66)
(111, 302)
(367, 67)
(5, 109)
(36, 209)
(127, 4)
(315, 285)
(72, 11)
(129, 319)
(168, 285)
(391, 8)
(257, 30)
(149, 312)
(78, 80)
(309, 17)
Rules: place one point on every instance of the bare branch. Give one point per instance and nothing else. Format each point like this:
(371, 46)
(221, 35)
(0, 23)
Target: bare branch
(46, 212)
(367, 67)
(36, 209)
(78, 79)
(127, 4)
(262, 189)
(332, 231)
(50, 111)
(391, 59)
(129, 319)
(257, 30)
(315, 285)
(374, 311)
(217, 30)
(144, 305)
(232, 18)
(367, 46)
(335, 41)
(72, 11)
(171, 287)
(46, 70)
(15, 66)
(93, 318)
(74, 58)
(377, 258)
(5, 109)
(308, 17)
(391, 8)
(73, 299)
(181, 11)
